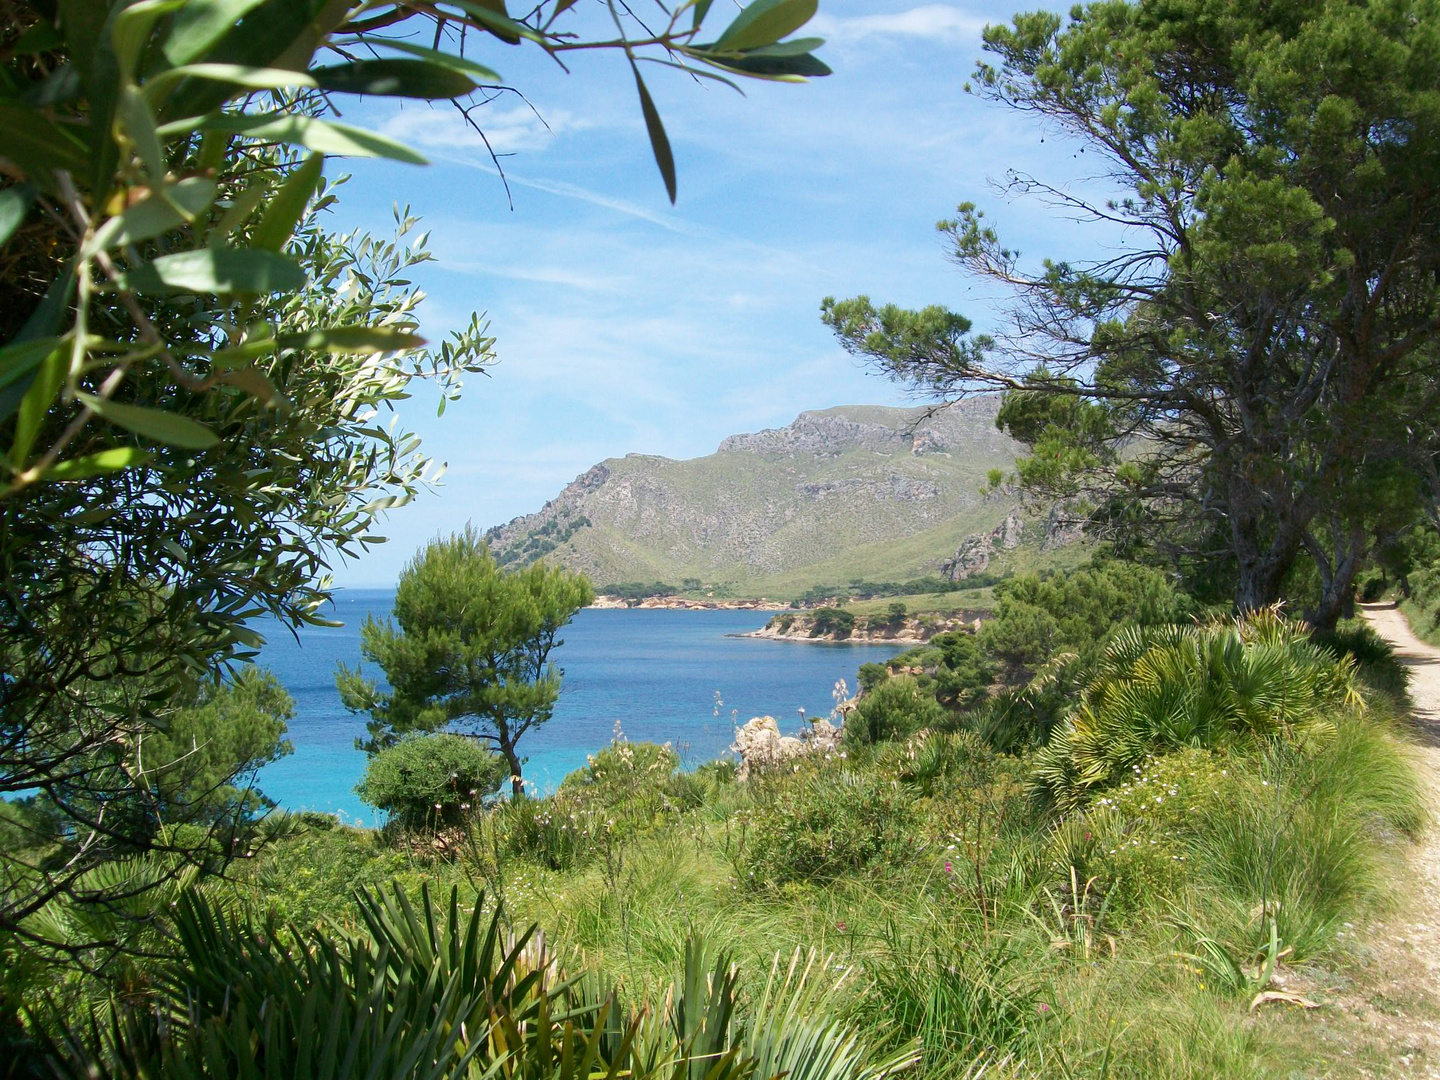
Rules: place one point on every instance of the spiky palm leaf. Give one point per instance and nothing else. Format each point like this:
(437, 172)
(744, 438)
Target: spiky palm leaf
(1226, 682)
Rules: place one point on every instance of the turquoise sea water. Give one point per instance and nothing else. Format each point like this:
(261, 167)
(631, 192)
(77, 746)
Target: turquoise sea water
(656, 672)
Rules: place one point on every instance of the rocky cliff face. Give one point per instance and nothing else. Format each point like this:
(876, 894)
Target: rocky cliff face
(852, 491)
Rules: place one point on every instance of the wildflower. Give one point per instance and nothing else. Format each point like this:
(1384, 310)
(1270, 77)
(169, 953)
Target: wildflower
(842, 927)
(948, 868)
(1042, 1008)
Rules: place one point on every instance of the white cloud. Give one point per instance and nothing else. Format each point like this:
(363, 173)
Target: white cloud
(935, 21)
(507, 128)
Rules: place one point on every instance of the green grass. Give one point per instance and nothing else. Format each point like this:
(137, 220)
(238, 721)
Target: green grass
(1127, 938)
(1055, 959)
(1425, 623)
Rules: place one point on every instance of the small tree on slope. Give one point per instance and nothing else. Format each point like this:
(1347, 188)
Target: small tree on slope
(471, 648)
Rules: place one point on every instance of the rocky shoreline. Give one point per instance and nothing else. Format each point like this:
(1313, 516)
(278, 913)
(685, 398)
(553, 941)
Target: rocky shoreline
(856, 637)
(910, 631)
(683, 603)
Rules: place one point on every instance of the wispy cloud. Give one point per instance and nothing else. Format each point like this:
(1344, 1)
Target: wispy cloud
(507, 128)
(935, 21)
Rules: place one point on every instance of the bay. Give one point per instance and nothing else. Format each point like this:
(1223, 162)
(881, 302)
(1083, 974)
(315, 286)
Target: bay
(655, 673)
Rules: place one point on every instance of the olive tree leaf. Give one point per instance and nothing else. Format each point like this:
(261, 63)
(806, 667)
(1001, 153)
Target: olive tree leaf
(200, 25)
(24, 357)
(165, 427)
(139, 124)
(394, 77)
(130, 29)
(216, 270)
(459, 63)
(321, 135)
(83, 468)
(659, 141)
(765, 22)
(243, 75)
(352, 339)
(491, 14)
(15, 203)
(257, 384)
(783, 67)
(286, 209)
(49, 376)
(38, 145)
(162, 210)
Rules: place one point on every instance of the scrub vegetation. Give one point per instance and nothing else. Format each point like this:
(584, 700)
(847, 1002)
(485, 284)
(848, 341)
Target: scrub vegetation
(1141, 822)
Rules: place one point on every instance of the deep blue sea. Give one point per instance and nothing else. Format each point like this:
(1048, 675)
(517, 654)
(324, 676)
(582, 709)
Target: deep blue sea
(656, 672)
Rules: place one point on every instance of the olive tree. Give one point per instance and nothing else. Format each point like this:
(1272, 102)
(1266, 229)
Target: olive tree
(194, 371)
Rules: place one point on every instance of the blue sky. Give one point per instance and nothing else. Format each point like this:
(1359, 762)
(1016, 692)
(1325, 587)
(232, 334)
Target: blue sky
(625, 325)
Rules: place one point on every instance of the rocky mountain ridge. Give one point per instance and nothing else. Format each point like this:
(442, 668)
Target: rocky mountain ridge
(856, 491)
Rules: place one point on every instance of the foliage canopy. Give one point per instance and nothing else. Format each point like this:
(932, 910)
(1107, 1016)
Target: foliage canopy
(470, 644)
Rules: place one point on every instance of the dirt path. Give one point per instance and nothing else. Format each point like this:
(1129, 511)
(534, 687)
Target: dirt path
(1413, 938)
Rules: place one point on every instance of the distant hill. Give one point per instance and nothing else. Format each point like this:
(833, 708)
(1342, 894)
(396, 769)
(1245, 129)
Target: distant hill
(859, 491)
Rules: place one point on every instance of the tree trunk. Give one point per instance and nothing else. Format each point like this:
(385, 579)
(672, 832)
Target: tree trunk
(1337, 577)
(517, 785)
(1263, 561)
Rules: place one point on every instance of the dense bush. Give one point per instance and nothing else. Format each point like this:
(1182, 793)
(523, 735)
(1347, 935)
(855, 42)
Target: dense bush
(898, 707)
(623, 791)
(1225, 683)
(932, 760)
(1038, 617)
(622, 772)
(822, 824)
(429, 780)
(1375, 659)
(833, 621)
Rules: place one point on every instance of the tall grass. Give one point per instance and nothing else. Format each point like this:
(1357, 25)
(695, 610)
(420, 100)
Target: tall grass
(944, 907)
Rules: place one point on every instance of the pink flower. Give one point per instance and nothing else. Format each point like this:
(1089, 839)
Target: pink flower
(948, 868)
(1042, 1008)
(841, 926)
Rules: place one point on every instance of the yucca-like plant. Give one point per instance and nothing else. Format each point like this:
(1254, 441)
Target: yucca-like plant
(430, 993)
(1211, 685)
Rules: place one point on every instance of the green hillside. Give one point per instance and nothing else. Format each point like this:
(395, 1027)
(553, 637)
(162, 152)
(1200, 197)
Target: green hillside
(853, 492)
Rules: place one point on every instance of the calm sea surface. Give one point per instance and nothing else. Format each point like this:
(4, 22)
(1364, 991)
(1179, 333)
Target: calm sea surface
(656, 672)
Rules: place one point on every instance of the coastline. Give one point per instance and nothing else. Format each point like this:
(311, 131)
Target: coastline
(856, 638)
(682, 603)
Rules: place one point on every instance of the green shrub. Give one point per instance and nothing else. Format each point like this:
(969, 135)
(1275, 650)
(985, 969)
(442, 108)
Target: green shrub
(832, 621)
(1301, 834)
(623, 772)
(898, 707)
(872, 675)
(927, 759)
(822, 824)
(1036, 618)
(430, 780)
(1373, 587)
(1225, 683)
(561, 832)
(1375, 658)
